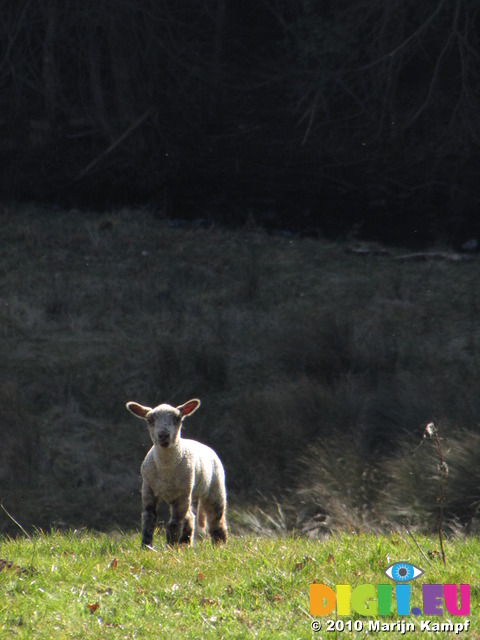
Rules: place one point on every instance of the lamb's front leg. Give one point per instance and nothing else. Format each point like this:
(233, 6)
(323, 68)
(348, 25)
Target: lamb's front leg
(181, 525)
(149, 515)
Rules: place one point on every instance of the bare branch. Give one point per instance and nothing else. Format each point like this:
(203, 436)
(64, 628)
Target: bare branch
(405, 43)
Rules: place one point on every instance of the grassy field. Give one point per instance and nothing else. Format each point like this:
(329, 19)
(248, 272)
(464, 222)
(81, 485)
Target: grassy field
(84, 585)
(318, 370)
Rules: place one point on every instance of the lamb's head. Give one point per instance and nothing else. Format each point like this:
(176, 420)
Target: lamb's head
(164, 422)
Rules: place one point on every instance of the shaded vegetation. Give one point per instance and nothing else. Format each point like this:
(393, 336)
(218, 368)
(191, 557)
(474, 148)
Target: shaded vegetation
(319, 116)
(317, 370)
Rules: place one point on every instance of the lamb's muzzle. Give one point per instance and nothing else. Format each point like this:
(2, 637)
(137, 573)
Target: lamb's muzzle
(181, 472)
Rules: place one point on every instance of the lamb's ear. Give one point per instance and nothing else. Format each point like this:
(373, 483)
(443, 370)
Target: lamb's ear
(137, 409)
(189, 407)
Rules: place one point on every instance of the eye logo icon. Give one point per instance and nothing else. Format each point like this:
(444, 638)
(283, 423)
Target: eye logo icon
(403, 572)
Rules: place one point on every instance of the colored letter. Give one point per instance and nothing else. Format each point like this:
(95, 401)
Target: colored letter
(402, 594)
(384, 592)
(322, 599)
(450, 595)
(432, 599)
(343, 599)
(360, 597)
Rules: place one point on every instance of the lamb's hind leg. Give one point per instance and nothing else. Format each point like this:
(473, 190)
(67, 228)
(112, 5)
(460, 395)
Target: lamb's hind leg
(217, 525)
(180, 528)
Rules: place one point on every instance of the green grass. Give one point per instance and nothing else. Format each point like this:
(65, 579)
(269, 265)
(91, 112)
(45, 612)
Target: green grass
(84, 585)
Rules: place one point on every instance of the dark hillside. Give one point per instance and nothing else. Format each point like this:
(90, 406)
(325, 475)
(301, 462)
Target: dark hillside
(297, 347)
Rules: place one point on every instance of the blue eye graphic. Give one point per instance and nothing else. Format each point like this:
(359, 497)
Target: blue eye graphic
(403, 572)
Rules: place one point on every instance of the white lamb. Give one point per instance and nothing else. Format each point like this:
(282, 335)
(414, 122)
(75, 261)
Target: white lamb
(180, 472)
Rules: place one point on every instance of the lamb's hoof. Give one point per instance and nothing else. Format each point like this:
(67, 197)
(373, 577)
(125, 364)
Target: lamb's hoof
(218, 536)
(149, 547)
